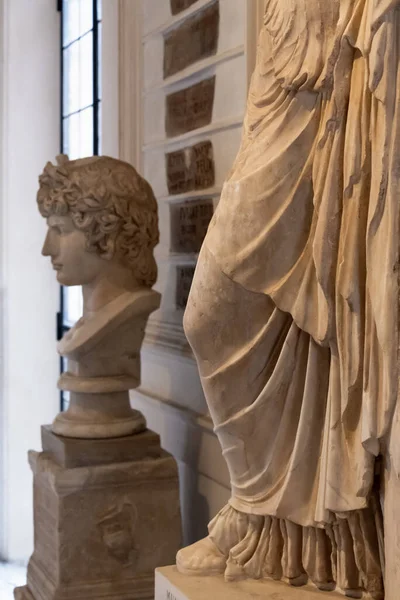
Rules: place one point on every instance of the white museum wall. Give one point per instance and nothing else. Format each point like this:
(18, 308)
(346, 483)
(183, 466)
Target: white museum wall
(29, 121)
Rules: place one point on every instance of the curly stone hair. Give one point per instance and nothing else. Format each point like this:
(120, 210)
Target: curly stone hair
(111, 204)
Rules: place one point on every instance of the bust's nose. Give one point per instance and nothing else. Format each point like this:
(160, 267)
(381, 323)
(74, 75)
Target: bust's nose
(48, 246)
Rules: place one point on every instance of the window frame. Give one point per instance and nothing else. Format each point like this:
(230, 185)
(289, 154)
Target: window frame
(62, 325)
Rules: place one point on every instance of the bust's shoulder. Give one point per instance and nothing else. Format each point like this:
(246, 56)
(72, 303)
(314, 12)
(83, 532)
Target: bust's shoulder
(88, 332)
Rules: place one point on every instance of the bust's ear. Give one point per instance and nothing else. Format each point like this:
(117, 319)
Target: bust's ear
(109, 255)
(107, 249)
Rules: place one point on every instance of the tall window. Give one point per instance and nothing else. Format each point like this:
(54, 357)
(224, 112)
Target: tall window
(80, 111)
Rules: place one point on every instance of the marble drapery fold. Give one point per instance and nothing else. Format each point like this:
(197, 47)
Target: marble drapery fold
(309, 213)
(344, 554)
(268, 385)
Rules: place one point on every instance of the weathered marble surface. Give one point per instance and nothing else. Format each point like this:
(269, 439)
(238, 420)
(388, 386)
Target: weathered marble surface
(102, 230)
(100, 530)
(294, 309)
(74, 452)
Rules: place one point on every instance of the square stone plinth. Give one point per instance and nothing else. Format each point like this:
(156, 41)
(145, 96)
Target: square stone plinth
(171, 585)
(101, 530)
(74, 452)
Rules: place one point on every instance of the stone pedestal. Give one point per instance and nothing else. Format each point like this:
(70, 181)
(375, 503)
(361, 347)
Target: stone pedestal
(171, 585)
(106, 515)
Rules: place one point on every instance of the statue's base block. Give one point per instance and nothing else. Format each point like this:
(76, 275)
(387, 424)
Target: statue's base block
(171, 585)
(101, 529)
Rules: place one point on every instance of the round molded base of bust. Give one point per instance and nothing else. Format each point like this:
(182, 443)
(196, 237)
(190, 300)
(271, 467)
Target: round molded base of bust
(96, 385)
(66, 425)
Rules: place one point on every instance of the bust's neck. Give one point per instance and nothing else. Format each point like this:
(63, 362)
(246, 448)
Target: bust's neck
(106, 288)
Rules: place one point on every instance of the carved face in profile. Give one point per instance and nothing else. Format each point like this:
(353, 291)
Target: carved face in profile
(66, 246)
(99, 211)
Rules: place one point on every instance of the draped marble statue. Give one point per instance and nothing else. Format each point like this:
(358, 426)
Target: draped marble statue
(293, 310)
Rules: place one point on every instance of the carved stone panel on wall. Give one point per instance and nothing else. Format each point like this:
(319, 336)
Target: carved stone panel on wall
(189, 224)
(184, 278)
(190, 108)
(178, 6)
(194, 39)
(191, 168)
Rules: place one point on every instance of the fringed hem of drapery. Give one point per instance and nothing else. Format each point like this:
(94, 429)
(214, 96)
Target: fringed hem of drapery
(344, 554)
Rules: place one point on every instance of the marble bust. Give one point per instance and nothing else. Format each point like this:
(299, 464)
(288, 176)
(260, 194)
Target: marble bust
(294, 309)
(102, 229)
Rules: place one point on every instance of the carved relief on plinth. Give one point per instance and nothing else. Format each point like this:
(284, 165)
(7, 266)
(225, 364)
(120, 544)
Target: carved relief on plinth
(101, 529)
